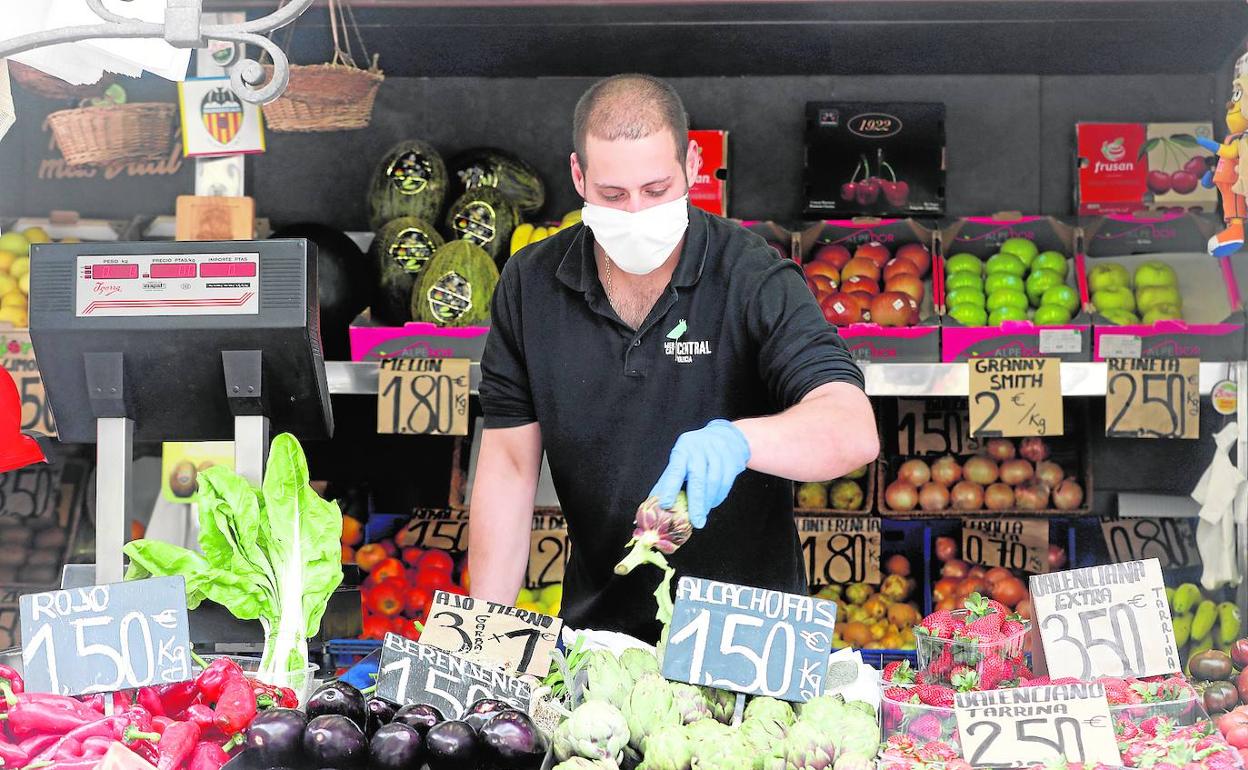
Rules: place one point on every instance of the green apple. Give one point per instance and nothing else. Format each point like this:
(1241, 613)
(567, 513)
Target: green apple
(1155, 274)
(1121, 317)
(1150, 297)
(1006, 314)
(1006, 263)
(1007, 298)
(1114, 299)
(1052, 315)
(1051, 260)
(16, 243)
(964, 297)
(969, 315)
(964, 263)
(1003, 281)
(1022, 248)
(964, 280)
(1039, 282)
(1062, 296)
(1163, 313)
(1108, 276)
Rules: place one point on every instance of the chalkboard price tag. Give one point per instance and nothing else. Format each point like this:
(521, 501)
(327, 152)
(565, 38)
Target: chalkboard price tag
(548, 551)
(1172, 542)
(439, 528)
(423, 396)
(840, 549)
(518, 640)
(1110, 620)
(1018, 544)
(1015, 397)
(1025, 726)
(18, 356)
(934, 426)
(749, 640)
(411, 672)
(107, 637)
(1153, 398)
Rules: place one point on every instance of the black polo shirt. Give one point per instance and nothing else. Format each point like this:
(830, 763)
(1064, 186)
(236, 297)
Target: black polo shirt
(736, 334)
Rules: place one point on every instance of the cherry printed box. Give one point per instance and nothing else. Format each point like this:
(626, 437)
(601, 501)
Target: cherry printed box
(874, 281)
(1126, 167)
(779, 236)
(1155, 292)
(416, 340)
(1028, 334)
(710, 190)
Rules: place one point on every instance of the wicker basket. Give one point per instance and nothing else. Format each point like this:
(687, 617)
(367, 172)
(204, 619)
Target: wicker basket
(49, 87)
(324, 97)
(95, 136)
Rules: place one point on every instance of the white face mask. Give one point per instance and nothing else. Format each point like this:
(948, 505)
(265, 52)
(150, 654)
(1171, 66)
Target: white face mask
(639, 242)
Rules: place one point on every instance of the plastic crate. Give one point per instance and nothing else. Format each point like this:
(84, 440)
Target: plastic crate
(343, 653)
(881, 658)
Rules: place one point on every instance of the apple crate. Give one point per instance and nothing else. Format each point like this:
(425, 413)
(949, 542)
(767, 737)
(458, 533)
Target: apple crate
(779, 237)
(805, 494)
(982, 237)
(1213, 322)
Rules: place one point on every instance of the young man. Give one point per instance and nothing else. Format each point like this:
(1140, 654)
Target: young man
(655, 348)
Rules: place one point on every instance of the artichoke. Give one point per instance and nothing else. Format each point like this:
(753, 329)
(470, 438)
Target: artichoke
(637, 663)
(769, 708)
(707, 729)
(596, 730)
(580, 763)
(722, 703)
(656, 530)
(667, 748)
(689, 703)
(765, 738)
(856, 734)
(607, 679)
(728, 753)
(808, 747)
(862, 706)
(650, 706)
(822, 710)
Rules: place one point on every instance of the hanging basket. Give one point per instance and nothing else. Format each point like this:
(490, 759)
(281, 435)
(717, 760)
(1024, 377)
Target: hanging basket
(324, 97)
(50, 87)
(96, 136)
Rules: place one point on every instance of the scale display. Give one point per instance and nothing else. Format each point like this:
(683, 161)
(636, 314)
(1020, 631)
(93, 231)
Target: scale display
(167, 285)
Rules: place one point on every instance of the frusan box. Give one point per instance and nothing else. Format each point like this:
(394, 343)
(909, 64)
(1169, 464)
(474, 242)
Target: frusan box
(1126, 167)
(416, 340)
(710, 190)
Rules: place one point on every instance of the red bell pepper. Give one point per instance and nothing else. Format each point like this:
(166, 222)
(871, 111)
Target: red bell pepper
(203, 717)
(177, 696)
(208, 756)
(176, 745)
(212, 680)
(160, 723)
(81, 763)
(96, 746)
(10, 683)
(150, 699)
(31, 717)
(119, 727)
(62, 702)
(236, 707)
(67, 749)
(35, 744)
(12, 756)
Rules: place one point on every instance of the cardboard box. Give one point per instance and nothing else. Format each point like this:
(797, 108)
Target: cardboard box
(415, 340)
(875, 158)
(1212, 328)
(983, 236)
(1126, 167)
(710, 190)
(869, 341)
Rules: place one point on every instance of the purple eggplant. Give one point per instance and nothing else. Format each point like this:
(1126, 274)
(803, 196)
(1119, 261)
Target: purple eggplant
(275, 737)
(377, 713)
(338, 698)
(451, 746)
(482, 711)
(510, 741)
(335, 741)
(421, 716)
(396, 746)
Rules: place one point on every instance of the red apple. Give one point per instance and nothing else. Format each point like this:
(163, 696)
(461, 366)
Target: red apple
(811, 269)
(916, 253)
(860, 266)
(832, 253)
(841, 309)
(874, 251)
(893, 308)
(906, 283)
(897, 265)
(820, 285)
(863, 285)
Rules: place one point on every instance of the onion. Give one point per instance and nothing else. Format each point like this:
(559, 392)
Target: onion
(901, 495)
(980, 470)
(996, 575)
(915, 471)
(933, 497)
(1057, 556)
(1031, 497)
(955, 568)
(967, 496)
(1023, 608)
(999, 497)
(946, 548)
(1068, 496)
(1034, 449)
(1050, 473)
(1000, 449)
(1015, 472)
(946, 471)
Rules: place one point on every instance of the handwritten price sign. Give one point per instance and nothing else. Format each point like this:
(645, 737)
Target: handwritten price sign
(1018, 544)
(1153, 398)
(410, 672)
(1172, 542)
(1111, 620)
(439, 528)
(1015, 397)
(938, 426)
(840, 550)
(19, 360)
(548, 551)
(423, 396)
(1025, 726)
(519, 640)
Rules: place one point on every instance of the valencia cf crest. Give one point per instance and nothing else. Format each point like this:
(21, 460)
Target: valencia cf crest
(222, 113)
(215, 121)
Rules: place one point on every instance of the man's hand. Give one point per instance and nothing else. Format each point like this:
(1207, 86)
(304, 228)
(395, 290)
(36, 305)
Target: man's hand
(705, 462)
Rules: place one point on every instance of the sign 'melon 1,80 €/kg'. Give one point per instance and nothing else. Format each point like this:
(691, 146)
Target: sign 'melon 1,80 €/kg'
(749, 640)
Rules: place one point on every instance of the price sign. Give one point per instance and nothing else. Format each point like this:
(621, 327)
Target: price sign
(749, 640)
(1026, 726)
(1015, 397)
(1153, 398)
(840, 550)
(934, 426)
(1019, 544)
(423, 395)
(1172, 542)
(519, 640)
(1111, 620)
(19, 361)
(108, 637)
(410, 672)
(548, 551)
(439, 528)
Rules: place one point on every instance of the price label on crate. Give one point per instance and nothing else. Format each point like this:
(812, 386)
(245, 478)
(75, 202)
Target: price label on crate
(19, 360)
(1018, 544)
(107, 637)
(518, 640)
(1026, 726)
(841, 549)
(423, 396)
(411, 672)
(439, 528)
(31, 492)
(934, 426)
(1111, 620)
(548, 551)
(749, 640)
(1153, 398)
(1172, 542)
(1015, 397)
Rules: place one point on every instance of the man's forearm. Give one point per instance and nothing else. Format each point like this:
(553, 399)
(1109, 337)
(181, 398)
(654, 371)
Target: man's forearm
(500, 518)
(826, 435)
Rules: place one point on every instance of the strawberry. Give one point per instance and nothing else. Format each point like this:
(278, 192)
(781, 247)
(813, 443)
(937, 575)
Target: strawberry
(1011, 626)
(988, 625)
(938, 751)
(1036, 681)
(964, 678)
(1021, 671)
(899, 672)
(1117, 691)
(935, 695)
(939, 624)
(901, 694)
(944, 662)
(1126, 729)
(992, 671)
(926, 728)
(1067, 680)
(978, 605)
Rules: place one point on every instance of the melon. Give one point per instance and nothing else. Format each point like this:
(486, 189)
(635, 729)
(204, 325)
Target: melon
(456, 286)
(401, 250)
(410, 181)
(345, 280)
(485, 217)
(490, 167)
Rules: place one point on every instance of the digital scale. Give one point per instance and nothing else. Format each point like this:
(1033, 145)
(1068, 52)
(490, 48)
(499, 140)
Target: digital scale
(176, 341)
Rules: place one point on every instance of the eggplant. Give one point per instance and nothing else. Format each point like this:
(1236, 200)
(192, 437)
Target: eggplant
(510, 741)
(421, 716)
(338, 698)
(480, 712)
(451, 746)
(335, 741)
(275, 738)
(377, 713)
(396, 746)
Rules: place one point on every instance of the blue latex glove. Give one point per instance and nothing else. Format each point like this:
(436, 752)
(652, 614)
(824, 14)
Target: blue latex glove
(1208, 144)
(705, 462)
(1206, 181)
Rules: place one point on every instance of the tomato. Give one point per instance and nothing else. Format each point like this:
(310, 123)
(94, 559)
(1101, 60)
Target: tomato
(1237, 736)
(386, 569)
(387, 597)
(945, 588)
(457, 590)
(402, 626)
(1023, 608)
(375, 627)
(464, 578)
(348, 555)
(1243, 755)
(369, 556)
(946, 548)
(352, 531)
(417, 600)
(1220, 696)
(996, 575)
(1210, 666)
(1239, 653)
(437, 560)
(412, 556)
(976, 572)
(434, 580)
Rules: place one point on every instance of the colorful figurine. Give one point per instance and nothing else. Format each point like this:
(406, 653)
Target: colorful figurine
(1231, 176)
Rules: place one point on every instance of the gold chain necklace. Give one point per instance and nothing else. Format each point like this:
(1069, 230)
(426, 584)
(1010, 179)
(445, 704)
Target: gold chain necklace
(608, 271)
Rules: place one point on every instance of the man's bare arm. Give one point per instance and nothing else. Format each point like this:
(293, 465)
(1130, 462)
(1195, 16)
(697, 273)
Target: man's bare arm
(501, 511)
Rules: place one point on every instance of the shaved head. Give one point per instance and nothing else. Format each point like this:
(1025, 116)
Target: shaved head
(629, 107)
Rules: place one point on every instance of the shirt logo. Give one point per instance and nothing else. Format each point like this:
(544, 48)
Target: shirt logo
(678, 330)
(683, 352)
